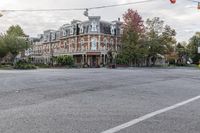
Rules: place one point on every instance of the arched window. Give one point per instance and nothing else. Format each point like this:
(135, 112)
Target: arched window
(112, 30)
(93, 44)
(71, 31)
(64, 32)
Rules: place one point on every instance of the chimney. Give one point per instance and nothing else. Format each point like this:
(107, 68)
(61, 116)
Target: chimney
(118, 19)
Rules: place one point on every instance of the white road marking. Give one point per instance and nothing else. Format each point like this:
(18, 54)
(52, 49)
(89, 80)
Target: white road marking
(150, 115)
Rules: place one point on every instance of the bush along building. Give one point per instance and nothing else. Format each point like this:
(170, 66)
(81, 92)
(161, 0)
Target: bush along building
(88, 42)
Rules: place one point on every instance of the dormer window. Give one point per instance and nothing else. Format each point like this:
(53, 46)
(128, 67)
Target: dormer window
(112, 30)
(53, 36)
(94, 26)
(64, 33)
(71, 30)
(81, 28)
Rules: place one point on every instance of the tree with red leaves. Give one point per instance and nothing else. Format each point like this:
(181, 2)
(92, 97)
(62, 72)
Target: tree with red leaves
(133, 49)
(133, 22)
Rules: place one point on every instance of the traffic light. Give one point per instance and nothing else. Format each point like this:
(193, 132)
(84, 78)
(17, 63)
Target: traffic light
(173, 1)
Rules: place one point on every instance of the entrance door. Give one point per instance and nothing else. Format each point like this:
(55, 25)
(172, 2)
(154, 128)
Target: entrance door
(94, 62)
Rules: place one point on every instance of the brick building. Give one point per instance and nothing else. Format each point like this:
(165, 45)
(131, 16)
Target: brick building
(87, 41)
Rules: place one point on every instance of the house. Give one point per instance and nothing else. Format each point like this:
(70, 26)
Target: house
(87, 41)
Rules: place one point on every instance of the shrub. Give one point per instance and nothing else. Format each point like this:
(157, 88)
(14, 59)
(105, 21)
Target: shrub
(65, 60)
(121, 60)
(22, 64)
(42, 65)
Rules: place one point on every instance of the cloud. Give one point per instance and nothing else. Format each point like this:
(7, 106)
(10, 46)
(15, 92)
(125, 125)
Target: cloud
(183, 16)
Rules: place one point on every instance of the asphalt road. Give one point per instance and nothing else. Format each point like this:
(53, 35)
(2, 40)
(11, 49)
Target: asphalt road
(95, 100)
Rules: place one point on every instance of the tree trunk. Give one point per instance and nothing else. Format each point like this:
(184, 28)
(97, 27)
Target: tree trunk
(154, 60)
(147, 61)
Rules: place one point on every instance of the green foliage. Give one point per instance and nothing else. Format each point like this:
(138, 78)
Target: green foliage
(13, 42)
(141, 42)
(3, 48)
(22, 64)
(193, 48)
(159, 38)
(133, 48)
(65, 60)
(16, 30)
(42, 65)
(121, 59)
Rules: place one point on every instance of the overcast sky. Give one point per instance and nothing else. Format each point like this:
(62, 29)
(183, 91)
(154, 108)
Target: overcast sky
(183, 16)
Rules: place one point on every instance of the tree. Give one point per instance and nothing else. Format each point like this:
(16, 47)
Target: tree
(159, 39)
(3, 49)
(15, 30)
(133, 30)
(193, 48)
(14, 44)
(182, 53)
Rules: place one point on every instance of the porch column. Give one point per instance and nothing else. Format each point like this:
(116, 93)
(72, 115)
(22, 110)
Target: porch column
(86, 59)
(101, 58)
(82, 60)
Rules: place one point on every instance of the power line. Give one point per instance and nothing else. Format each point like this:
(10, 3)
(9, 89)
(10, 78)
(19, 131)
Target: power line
(78, 9)
(125, 4)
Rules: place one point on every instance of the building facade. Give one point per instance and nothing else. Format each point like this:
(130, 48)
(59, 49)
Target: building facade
(87, 41)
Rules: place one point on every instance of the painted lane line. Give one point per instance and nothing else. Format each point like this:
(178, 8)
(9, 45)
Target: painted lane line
(150, 115)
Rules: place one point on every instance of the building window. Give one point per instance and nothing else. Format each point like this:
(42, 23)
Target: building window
(72, 45)
(93, 44)
(65, 45)
(82, 44)
(111, 42)
(105, 43)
